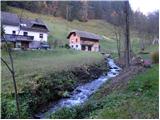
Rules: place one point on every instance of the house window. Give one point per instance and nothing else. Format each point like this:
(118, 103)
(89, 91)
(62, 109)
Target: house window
(40, 35)
(25, 33)
(72, 46)
(76, 40)
(76, 45)
(72, 41)
(13, 32)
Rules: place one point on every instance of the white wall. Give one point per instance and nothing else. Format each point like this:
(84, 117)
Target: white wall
(36, 35)
(75, 46)
(8, 29)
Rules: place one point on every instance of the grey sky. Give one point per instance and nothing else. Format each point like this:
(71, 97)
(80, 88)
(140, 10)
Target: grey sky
(145, 6)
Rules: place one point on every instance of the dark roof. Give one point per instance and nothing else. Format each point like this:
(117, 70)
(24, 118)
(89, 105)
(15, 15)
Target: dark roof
(31, 24)
(9, 19)
(84, 34)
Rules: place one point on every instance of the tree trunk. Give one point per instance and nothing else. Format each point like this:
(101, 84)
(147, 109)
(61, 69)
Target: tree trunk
(127, 39)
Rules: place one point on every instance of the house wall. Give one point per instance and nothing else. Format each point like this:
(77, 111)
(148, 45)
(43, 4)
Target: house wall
(36, 41)
(8, 29)
(95, 47)
(94, 44)
(36, 35)
(74, 42)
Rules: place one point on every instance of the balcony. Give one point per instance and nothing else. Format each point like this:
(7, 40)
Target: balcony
(15, 38)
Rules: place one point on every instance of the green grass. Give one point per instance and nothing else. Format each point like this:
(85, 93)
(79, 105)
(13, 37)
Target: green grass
(138, 100)
(29, 63)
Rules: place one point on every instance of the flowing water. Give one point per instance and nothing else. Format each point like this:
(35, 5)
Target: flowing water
(82, 93)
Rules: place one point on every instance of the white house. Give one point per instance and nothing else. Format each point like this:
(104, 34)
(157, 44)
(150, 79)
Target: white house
(22, 32)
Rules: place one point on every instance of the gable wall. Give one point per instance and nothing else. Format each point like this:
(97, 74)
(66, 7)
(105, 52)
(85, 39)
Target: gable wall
(8, 29)
(74, 42)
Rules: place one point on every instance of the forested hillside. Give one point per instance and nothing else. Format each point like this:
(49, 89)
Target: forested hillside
(110, 11)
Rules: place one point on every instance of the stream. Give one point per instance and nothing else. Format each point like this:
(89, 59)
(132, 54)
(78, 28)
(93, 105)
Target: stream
(83, 92)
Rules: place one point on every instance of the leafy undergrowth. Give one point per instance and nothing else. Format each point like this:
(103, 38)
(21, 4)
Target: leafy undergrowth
(138, 100)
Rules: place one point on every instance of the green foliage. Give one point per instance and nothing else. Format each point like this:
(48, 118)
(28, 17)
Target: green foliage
(77, 112)
(67, 46)
(8, 107)
(155, 56)
(4, 6)
(4, 46)
(53, 82)
(138, 100)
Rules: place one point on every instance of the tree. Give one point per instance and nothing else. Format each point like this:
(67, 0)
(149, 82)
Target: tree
(127, 35)
(83, 12)
(11, 69)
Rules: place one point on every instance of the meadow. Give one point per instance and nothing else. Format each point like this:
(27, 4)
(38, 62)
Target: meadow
(29, 63)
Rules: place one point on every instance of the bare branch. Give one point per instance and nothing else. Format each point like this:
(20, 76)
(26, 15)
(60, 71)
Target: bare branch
(6, 65)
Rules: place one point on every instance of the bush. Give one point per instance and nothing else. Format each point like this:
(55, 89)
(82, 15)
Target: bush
(10, 45)
(67, 46)
(64, 113)
(76, 112)
(8, 107)
(155, 56)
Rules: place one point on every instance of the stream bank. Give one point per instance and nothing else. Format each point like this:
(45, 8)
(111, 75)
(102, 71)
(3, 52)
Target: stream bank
(133, 94)
(82, 92)
(38, 95)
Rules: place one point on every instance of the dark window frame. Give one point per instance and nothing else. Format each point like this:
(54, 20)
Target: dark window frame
(25, 33)
(13, 32)
(40, 35)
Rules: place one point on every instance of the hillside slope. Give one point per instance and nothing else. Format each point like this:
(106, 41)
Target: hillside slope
(60, 27)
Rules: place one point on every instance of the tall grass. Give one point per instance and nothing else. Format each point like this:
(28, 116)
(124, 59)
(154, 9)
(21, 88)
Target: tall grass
(29, 63)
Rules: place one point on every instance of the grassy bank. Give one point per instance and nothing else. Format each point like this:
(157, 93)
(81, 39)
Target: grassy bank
(43, 76)
(31, 63)
(139, 99)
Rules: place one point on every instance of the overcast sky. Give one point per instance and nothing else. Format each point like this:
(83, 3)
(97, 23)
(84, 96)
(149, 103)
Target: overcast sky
(145, 6)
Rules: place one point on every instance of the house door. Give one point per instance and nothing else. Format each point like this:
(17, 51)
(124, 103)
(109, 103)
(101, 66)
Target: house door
(24, 45)
(83, 47)
(89, 47)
